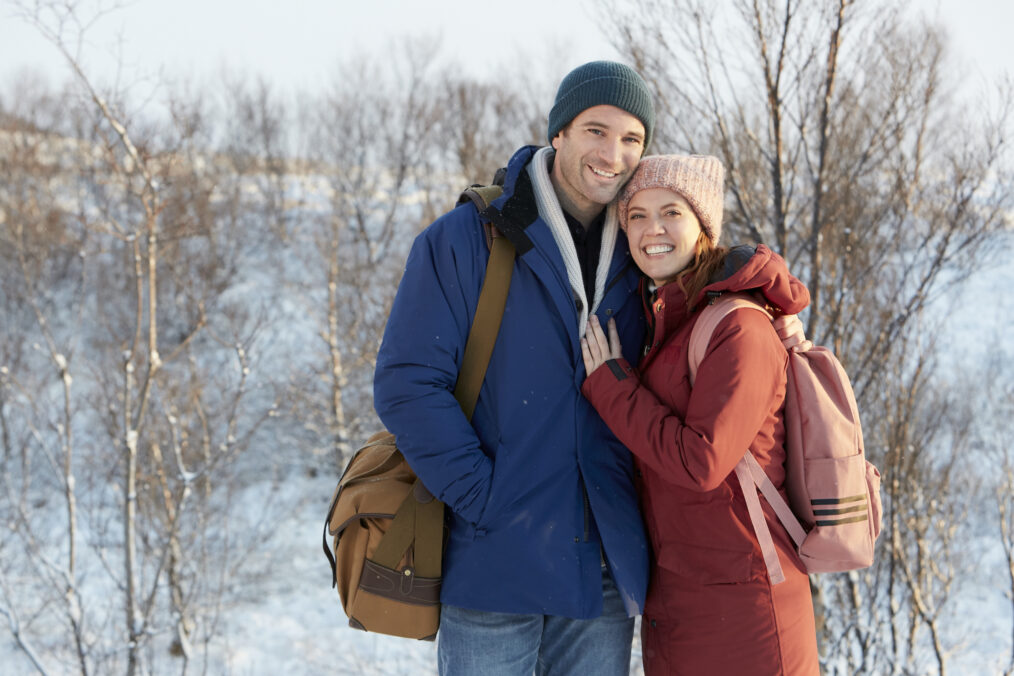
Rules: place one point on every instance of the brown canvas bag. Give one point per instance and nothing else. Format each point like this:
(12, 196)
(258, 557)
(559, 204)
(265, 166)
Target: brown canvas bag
(387, 528)
(388, 541)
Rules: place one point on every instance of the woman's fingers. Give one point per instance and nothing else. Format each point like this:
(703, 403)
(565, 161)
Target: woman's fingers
(790, 331)
(615, 349)
(598, 336)
(589, 361)
(596, 349)
(594, 346)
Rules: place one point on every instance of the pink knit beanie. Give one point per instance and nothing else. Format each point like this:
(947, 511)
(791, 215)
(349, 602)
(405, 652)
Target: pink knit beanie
(697, 178)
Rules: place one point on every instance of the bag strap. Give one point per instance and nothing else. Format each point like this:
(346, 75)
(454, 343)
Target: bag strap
(420, 518)
(711, 316)
(483, 195)
(480, 195)
(760, 524)
(486, 325)
(492, 298)
(785, 514)
(750, 474)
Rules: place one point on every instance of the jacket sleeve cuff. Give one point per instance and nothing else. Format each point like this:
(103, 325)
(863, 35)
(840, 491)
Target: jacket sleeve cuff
(619, 368)
(607, 375)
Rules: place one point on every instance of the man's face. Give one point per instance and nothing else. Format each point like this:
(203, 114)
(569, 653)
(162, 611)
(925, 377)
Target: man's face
(595, 156)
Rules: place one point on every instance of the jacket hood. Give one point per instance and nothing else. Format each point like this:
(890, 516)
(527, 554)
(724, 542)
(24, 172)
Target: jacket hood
(516, 209)
(517, 186)
(516, 166)
(761, 270)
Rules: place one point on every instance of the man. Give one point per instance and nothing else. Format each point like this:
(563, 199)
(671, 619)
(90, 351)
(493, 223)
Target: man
(547, 560)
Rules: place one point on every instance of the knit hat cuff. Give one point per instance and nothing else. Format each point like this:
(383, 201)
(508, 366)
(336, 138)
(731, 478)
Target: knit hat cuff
(601, 83)
(699, 179)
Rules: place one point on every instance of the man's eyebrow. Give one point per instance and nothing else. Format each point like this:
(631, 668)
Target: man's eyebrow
(603, 125)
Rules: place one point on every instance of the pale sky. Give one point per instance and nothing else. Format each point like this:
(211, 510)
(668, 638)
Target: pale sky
(299, 42)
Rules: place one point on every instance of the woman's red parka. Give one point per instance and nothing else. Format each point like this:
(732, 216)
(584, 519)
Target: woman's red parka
(710, 607)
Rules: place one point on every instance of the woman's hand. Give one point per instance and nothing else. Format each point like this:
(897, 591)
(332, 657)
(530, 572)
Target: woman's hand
(790, 331)
(595, 349)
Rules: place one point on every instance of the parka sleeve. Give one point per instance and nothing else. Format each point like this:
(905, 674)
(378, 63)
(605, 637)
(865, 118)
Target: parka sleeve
(419, 359)
(740, 382)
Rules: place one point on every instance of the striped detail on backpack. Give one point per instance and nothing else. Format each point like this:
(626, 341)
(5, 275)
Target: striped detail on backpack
(843, 507)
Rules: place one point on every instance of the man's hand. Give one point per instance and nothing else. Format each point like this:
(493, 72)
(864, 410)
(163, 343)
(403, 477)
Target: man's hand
(595, 349)
(790, 331)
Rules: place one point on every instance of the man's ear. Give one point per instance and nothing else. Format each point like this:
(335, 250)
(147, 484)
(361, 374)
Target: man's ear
(556, 140)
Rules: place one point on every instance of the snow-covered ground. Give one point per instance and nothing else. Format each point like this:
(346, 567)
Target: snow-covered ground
(299, 628)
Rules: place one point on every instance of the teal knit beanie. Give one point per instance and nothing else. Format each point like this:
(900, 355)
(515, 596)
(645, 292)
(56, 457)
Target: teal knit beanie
(602, 83)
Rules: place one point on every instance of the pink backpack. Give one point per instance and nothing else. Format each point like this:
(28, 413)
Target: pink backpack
(835, 516)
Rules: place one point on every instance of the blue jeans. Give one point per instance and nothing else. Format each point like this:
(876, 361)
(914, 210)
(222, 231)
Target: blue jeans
(480, 643)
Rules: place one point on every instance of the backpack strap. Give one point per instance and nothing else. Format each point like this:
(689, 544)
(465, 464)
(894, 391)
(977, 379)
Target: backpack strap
(785, 514)
(757, 520)
(711, 316)
(750, 474)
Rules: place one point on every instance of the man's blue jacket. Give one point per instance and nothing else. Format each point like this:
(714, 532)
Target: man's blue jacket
(539, 490)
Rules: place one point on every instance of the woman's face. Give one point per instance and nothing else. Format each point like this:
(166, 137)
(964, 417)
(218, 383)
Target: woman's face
(662, 231)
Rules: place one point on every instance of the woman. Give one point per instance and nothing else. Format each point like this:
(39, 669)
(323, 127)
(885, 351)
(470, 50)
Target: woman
(711, 608)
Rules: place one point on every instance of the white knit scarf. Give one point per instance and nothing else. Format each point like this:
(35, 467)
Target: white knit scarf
(551, 212)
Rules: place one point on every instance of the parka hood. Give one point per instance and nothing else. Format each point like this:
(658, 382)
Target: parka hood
(515, 209)
(762, 270)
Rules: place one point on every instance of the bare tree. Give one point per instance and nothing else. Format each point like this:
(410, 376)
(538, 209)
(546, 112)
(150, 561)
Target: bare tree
(1005, 511)
(484, 122)
(258, 147)
(138, 203)
(991, 394)
(40, 243)
(372, 164)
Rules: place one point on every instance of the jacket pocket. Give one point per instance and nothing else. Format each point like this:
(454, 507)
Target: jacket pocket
(494, 503)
